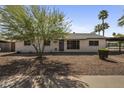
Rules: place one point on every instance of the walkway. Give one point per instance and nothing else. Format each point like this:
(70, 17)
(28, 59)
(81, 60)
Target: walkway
(103, 81)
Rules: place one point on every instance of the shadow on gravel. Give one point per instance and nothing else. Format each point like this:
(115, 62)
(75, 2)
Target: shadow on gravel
(110, 60)
(17, 54)
(32, 73)
(15, 67)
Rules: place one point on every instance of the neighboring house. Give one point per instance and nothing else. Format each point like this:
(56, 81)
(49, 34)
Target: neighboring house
(7, 46)
(74, 42)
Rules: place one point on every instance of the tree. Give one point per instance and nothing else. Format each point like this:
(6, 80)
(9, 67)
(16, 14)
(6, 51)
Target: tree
(104, 26)
(118, 35)
(34, 23)
(97, 28)
(102, 16)
(121, 21)
(114, 34)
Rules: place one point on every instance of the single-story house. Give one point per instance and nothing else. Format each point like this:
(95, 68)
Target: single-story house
(74, 42)
(7, 46)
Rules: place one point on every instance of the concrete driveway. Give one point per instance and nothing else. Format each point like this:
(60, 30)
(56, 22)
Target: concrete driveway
(103, 81)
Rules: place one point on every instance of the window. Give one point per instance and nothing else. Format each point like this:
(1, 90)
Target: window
(27, 43)
(73, 44)
(47, 43)
(93, 43)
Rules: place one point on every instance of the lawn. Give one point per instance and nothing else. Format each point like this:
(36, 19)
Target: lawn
(14, 67)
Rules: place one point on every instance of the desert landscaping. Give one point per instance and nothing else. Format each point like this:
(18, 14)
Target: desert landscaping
(60, 47)
(22, 70)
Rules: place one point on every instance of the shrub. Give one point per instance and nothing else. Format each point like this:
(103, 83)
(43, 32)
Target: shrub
(103, 53)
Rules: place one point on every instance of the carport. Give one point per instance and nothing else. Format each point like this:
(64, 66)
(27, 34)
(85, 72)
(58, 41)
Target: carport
(119, 40)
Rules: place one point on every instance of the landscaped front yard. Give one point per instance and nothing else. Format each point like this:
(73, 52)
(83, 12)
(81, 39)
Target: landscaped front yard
(75, 64)
(13, 66)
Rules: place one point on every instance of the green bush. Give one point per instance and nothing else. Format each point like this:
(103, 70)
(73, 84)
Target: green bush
(103, 53)
(103, 49)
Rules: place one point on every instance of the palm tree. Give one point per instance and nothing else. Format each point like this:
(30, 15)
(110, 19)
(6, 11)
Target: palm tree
(104, 26)
(121, 21)
(102, 16)
(97, 28)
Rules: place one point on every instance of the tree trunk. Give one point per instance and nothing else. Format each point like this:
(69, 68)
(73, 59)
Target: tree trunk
(103, 28)
(41, 54)
(42, 48)
(39, 50)
(103, 33)
(39, 47)
(35, 47)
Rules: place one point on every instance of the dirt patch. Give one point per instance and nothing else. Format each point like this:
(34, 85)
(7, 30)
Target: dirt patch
(92, 65)
(26, 71)
(72, 65)
(29, 72)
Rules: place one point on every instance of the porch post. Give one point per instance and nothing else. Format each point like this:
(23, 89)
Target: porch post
(119, 47)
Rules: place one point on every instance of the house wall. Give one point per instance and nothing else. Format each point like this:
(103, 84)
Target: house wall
(20, 47)
(84, 46)
(54, 46)
(5, 47)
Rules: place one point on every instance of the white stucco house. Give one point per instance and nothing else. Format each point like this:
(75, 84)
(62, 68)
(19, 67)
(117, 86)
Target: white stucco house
(7, 46)
(74, 42)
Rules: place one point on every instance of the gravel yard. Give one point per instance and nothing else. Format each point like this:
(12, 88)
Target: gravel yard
(75, 64)
(16, 66)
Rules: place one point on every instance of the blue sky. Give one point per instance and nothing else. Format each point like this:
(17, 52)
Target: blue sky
(85, 17)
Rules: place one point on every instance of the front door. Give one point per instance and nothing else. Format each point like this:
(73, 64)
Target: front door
(12, 46)
(61, 45)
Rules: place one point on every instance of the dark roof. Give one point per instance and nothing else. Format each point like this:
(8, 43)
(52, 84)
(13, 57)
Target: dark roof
(3, 41)
(84, 36)
(6, 41)
(115, 39)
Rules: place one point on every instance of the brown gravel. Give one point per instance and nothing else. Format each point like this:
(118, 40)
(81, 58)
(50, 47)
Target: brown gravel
(92, 65)
(75, 64)
(23, 70)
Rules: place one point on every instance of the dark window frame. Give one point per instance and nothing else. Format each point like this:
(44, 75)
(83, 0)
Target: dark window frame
(93, 43)
(73, 44)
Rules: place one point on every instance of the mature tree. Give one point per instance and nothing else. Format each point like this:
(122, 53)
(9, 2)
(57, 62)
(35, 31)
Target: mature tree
(97, 28)
(118, 35)
(121, 21)
(114, 34)
(102, 16)
(36, 24)
(104, 26)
